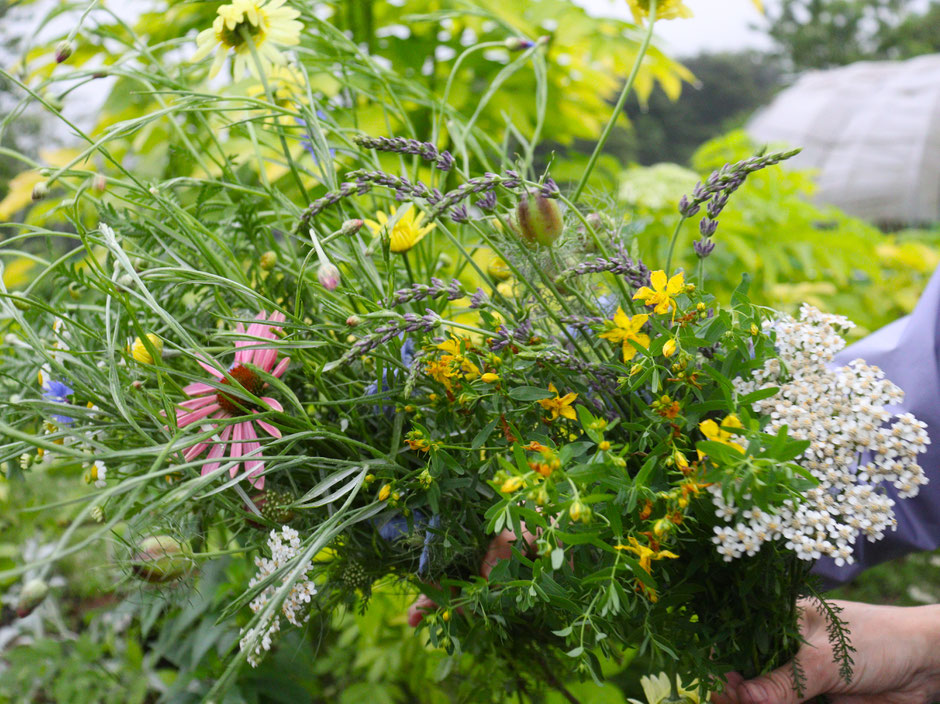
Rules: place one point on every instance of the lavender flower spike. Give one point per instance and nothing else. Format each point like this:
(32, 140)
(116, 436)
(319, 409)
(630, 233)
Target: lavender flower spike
(443, 160)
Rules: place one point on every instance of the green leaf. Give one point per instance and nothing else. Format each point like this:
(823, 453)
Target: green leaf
(529, 393)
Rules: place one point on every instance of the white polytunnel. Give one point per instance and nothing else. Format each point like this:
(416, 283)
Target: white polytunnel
(872, 129)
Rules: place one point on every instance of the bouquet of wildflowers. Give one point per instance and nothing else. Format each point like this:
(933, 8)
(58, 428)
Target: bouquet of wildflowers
(362, 377)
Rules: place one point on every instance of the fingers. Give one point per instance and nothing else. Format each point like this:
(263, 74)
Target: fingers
(733, 680)
(417, 610)
(776, 688)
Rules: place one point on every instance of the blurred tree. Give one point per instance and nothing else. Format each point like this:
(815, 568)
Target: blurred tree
(824, 33)
(729, 87)
(916, 35)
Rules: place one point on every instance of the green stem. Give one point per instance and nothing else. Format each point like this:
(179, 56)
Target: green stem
(277, 125)
(620, 103)
(672, 244)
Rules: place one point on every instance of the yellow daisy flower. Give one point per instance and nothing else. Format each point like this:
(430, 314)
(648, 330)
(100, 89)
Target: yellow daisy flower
(626, 329)
(405, 233)
(266, 24)
(665, 9)
(560, 405)
(663, 292)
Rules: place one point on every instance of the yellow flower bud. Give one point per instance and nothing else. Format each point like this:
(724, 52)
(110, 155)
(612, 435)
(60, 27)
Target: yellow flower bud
(140, 352)
(369, 478)
(636, 369)
(512, 484)
(385, 491)
(498, 269)
(268, 260)
(699, 306)
(445, 617)
(669, 348)
(604, 446)
(490, 378)
(755, 330)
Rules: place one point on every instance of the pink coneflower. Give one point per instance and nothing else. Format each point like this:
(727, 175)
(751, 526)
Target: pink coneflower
(213, 402)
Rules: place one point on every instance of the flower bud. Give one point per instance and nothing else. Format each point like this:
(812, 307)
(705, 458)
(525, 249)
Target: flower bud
(385, 491)
(490, 378)
(161, 558)
(512, 484)
(498, 269)
(353, 320)
(99, 183)
(518, 43)
(579, 512)
(40, 190)
(63, 51)
(274, 506)
(268, 260)
(351, 227)
(669, 348)
(539, 220)
(140, 352)
(32, 595)
(328, 276)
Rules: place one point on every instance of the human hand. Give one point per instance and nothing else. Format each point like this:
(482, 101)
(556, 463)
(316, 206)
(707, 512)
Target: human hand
(500, 548)
(897, 660)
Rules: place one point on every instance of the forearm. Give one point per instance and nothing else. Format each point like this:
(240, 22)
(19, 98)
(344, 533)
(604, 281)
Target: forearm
(927, 620)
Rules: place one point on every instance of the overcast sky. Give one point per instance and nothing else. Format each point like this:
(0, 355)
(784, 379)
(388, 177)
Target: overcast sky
(718, 25)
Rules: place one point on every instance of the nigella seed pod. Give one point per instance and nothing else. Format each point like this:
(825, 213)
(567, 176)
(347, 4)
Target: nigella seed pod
(539, 220)
(63, 51)
(160, 559)
(32, 595)
(328, 276)
(268, 260)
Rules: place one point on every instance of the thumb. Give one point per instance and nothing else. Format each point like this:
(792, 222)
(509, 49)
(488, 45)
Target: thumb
(775, 688)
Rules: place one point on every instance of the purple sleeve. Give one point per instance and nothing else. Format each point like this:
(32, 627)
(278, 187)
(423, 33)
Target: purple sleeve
(907, 350)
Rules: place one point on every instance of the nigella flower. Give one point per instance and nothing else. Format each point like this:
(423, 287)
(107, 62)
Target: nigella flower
(214, 402)
(58, 392)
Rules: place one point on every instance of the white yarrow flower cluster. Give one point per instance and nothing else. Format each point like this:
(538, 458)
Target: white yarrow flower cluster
(856, 444)
(284, 547)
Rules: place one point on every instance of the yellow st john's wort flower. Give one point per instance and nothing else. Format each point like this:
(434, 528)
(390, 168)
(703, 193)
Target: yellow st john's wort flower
(264, 23)
(663, 293)
(626, 329)
(712, 431)
(405, 233)
(665, 9)
(645, 554)
(560, 405)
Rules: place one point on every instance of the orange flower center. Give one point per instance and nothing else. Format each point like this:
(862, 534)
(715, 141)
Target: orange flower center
(249, 381)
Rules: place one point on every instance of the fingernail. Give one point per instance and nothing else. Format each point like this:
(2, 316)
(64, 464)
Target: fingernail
(753, 693)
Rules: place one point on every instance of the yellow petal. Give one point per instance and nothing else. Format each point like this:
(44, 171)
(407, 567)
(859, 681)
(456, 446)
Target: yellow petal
(644, 293)
(638, 321)
(658, 280)
(709, 429)
(676, 284)
(621, 319)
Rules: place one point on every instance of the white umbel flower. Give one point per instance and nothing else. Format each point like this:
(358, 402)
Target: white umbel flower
(284, 547)
(856, 445)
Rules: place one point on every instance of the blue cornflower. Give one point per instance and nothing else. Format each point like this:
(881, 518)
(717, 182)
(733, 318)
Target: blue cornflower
(58, 392)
